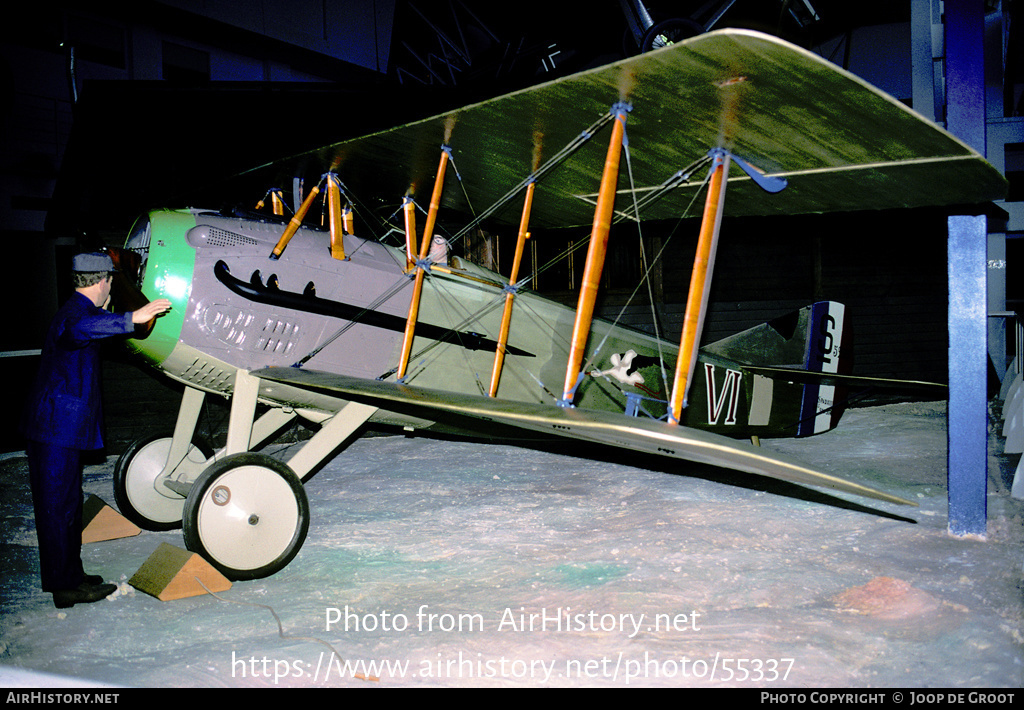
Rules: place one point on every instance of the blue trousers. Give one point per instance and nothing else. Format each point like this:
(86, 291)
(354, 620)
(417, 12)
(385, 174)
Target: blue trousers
(55, 475)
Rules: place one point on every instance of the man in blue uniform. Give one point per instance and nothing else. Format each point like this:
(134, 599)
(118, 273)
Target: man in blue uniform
(64, 418)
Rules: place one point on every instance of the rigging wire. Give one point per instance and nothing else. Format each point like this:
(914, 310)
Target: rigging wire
(380, 300)
(453, 330)
(549, 165)
(677, 179)
(473, 318)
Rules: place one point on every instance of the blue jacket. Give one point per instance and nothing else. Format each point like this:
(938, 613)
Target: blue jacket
(65, 406)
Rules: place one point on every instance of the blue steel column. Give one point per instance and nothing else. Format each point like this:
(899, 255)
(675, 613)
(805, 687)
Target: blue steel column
(967, 436)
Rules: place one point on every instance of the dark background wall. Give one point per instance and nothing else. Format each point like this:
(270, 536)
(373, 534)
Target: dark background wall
(113, 107)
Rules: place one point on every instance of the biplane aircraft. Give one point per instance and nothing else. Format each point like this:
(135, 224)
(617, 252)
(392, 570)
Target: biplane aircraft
(294, 319)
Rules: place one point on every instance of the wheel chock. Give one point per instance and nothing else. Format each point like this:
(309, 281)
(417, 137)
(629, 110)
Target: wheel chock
(101, 522)
(172, 573)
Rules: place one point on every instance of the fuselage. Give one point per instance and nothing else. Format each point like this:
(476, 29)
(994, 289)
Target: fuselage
(235, 307)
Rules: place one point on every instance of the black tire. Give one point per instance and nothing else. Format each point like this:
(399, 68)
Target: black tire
(134, 473)
(248, 515)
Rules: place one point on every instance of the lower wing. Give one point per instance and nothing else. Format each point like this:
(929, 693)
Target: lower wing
(634, 434)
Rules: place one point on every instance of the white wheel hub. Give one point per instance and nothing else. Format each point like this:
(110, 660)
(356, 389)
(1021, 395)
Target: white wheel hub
(143, 483)
(248, 518)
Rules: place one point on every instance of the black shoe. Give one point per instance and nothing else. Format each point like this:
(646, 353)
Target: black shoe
(93, 579)
(84, 593)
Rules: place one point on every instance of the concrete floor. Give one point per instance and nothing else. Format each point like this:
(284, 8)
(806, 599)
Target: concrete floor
(451, 563)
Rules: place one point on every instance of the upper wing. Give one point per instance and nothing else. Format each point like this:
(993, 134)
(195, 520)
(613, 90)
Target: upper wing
(842, 144)
(634, 434)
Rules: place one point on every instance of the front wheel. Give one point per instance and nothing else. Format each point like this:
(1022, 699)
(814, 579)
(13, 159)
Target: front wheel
(247, 514)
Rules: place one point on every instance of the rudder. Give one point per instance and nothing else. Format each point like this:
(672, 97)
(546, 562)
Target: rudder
(829, 350)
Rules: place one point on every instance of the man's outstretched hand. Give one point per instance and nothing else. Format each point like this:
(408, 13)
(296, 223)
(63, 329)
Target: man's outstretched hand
(150, 311)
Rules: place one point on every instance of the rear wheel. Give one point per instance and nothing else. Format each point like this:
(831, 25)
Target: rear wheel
(140, 494)
(248, 515)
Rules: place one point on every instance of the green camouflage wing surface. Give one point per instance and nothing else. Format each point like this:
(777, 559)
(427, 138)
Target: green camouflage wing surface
(612, 429)
(842, 144)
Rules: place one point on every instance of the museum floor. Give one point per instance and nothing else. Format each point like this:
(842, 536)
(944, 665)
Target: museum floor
(451, 563)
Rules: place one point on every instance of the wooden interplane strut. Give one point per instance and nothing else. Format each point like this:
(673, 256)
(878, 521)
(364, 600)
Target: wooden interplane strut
(336, 215)
(506, 316)
(595, 254)
(276, 201)
(294, 223)
(421, 267)
(339, 219)
(700, 285)
(409, 210)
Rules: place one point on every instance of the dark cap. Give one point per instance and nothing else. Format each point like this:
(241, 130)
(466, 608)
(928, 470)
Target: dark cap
(92, 262)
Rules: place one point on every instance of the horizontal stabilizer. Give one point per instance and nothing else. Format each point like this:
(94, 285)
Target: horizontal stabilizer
(633, 434)
(802, 376)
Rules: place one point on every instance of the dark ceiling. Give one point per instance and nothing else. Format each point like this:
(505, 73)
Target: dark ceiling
(138, 145)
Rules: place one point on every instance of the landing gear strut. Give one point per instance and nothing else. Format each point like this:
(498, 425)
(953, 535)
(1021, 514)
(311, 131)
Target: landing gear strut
(139, 488)
(246, 513)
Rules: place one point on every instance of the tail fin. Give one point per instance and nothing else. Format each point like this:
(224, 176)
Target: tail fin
(804, 346)
(829, 350)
